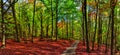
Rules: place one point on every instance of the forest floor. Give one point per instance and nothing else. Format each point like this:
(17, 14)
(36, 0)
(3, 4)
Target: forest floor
(36, 48)
(60, 47)
(81, 50)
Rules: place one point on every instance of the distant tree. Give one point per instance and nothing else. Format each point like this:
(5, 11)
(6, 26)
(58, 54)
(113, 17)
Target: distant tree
(95, 24)
(83, 24)
(99, 27)
(33, 21)
(52, 17)
(15, 20)
(56, 30)
(112, 6)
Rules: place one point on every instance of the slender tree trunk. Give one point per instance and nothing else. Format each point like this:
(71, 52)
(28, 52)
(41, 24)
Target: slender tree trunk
(72, 28)
(86, 26)
(3, 26)
(16, 26)
(112, 5)
(19, 26)
(99, 28)
(89, 29)
(36, 31)
(99, 31)
(89, 25)
(41, 20)
(112, 31)
(29, 29)
(47, 28)
(56, 31)
(63, 28)
(83, 24)
(67, 27)
(33, 22)
(115, 40)
(93, 42)
(83, 32)
(52, 19)
(108, 32)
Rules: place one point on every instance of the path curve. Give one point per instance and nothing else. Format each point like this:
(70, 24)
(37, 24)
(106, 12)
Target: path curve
(71, 50)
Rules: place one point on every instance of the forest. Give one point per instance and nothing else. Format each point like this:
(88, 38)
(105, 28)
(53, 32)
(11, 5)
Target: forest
(59, 27)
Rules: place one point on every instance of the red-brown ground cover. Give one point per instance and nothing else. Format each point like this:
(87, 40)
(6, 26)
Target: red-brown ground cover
(36, 48)
(81, 50)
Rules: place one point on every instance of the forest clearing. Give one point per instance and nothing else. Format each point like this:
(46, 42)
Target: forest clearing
(59, 27)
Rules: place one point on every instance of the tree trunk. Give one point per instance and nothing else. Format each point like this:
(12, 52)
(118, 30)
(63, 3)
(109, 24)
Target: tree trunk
(19, 26)
(108, 32)
(67, 26)
(33, 22)
(86, 26)
(52, 20)
(56, 31)
(16, 26)
(99, 30)
(89, 29)
(83, 25)
(47, 28)
(93, 42)
(112, 5)
(3, 26)
(112, 31)
(72, 28)
(41, 20)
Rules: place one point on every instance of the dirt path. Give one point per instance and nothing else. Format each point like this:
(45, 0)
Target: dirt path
(71, 50)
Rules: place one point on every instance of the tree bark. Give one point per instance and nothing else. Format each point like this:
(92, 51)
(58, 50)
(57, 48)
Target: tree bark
(86, 26)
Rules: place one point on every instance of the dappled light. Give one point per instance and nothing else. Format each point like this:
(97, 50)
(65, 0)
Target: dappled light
(59, 27)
